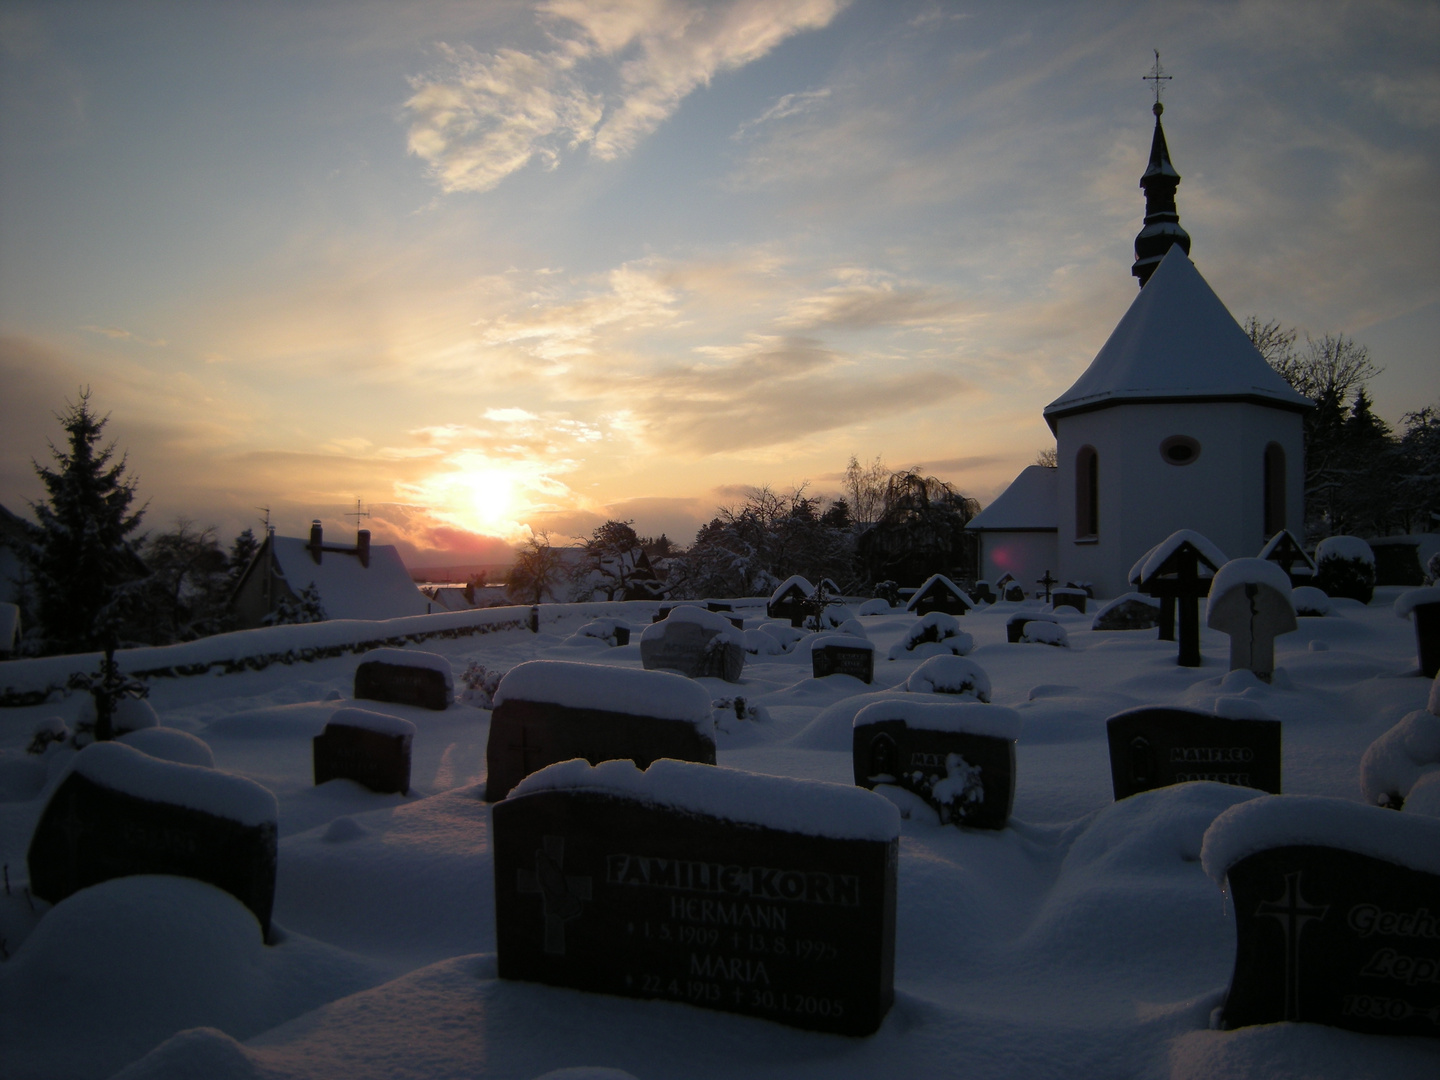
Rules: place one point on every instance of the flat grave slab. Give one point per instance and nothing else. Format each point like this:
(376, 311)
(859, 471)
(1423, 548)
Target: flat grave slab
(842, 654)
(405, 677)
(551, 710)
(732, 891)
(121, 812)
(1157, 747)
(368, 747)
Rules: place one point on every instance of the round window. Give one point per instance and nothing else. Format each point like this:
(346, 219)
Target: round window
(1179, 450)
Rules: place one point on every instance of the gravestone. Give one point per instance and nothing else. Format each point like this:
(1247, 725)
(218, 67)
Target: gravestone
(121, 812)
(1287, 553)
(1346, 934)
(939, 593)
(791, 600)
(957, 756)
(1071, 598)
(759, 895)
(984, 593)
(1423, 605)
(1014, 593)
(552, 710)
(1015, 625)
(368, 747)
(842, 654)
(1250, 601)
(1084, 586)
(1175, 570)
(695, 643)
(1130, 611)
(1153, 747)
(405, 677)
(1397, 561)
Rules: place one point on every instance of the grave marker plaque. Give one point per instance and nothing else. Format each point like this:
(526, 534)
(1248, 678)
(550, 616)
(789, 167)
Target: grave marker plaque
(1329, 936)
(611, 892)
(696, 644)
(968, 776)
(1157, 747)
(402, 678)
(368, 747)
(115, 815)
(833, 656)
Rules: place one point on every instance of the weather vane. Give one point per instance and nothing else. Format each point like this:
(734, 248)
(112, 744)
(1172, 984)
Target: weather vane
(1157, 76)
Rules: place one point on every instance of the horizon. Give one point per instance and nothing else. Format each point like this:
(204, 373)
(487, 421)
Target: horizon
(509, 268)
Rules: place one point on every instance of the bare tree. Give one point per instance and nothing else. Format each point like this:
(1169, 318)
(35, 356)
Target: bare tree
(1047, 458)
(865, 489)
(538, 569)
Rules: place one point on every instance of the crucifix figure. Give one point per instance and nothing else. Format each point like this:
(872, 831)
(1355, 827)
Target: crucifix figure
(1292, 913)
(562, 895)
(1047, 581)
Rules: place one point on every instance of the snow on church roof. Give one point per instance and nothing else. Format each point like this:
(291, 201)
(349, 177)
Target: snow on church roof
(1028, 503)
(1177, 341)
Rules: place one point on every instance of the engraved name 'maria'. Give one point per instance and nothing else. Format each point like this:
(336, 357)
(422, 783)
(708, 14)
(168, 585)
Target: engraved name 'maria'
(729, 968)
(728, 879)
(1212, 755)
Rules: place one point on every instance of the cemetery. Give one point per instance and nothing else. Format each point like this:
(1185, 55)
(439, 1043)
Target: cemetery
(1090, 860)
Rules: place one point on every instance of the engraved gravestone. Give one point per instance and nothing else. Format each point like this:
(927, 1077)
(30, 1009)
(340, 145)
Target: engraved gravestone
(752, 894)
(1157, 747)
(842, 654)
(552, 710)
(958, 756)
(984, 593)
(695, 643)
(405, 677)
(368, 747)
(121, 812)
(1250, 601)
(1345, 933)
(1068, 597)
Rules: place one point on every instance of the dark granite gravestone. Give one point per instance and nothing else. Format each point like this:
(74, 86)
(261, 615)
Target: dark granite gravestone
(1132, 611)
(842, 654)
(1397, 561)
(984, 593)
(957, 756)
(1423, 605)
(1071, 598)
(695, 643)
(121, 812)
(403, 677)
(1344, 931)
(1175, 570)
(622, 635)
(939, 593)
(602, 714)
(1157, 747)
(1014, 593)
(1015, 625)
(368, 747)
(1083, 586)
(616, 890)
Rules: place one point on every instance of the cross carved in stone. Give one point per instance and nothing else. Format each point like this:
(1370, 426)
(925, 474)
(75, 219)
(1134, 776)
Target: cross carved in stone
(1292, 913)
(562, 896)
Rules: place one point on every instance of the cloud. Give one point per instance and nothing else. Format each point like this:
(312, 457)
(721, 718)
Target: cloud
(115, 333)
(787, 106)
(864, 299)
(617, 71)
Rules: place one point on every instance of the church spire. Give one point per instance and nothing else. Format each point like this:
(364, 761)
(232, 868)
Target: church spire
(1162, 221)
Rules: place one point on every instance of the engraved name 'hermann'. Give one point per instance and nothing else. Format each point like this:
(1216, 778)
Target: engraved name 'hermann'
(728, 879)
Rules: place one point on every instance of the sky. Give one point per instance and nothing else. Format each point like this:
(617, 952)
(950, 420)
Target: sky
(501, 268)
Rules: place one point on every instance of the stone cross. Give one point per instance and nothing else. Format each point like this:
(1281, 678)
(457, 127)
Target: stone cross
(1254, 614)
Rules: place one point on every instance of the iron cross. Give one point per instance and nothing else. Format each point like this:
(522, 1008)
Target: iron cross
(1156, 76)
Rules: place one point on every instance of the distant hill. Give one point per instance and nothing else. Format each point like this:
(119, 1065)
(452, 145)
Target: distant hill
(459, 573)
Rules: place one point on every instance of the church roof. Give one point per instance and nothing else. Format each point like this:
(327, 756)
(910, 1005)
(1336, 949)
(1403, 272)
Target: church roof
(1176, 343)
(1027, 505)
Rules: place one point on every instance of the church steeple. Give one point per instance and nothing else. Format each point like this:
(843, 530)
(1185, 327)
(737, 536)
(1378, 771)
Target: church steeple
(1162, 221)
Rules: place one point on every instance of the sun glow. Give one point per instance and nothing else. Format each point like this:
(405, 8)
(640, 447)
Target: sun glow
(483, 498)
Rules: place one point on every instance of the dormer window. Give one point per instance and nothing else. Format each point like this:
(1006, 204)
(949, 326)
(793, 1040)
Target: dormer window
(1179, 450)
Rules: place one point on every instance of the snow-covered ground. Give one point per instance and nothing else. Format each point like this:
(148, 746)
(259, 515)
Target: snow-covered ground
(1084, 940)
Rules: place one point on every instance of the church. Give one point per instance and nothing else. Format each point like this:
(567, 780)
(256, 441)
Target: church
(1178, 423)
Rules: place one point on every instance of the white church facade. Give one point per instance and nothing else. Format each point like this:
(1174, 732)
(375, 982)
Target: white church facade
(1178, 423)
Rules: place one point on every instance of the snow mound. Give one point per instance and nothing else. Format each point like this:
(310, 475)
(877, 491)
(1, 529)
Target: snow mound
(689, 613)
(129, 714)
(833, 728)
(1424, 797)
(1043, 632)
(1409, 600)
(1297, 820)
(1344, 547)
(788, 636)
(368, 720)
(936, 628)
(877, 606)
(759, 643)
(1308, 600)
(412, 658)
(1242, 572)
(841, 641)
(1399, 758)
(168, 744)
(807, 807)
(958, 717)
(950, 675)
(125, 769)
(661, 694)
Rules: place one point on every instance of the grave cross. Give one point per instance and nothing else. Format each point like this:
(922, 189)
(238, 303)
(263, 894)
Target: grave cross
(562, 895)
(1291, 911)
(1178, 578)
(1047, 581)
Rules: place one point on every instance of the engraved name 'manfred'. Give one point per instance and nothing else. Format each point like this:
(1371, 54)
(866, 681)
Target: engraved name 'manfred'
(1367, 919)
(1212, 755)
(760, 882)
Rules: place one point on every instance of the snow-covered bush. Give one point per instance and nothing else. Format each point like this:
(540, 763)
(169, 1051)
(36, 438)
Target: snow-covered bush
(1345, 566)
(786, 635)
(1040, 632)
(936, 628)
(47, 733)
(1309, 601)
(479, 684)
(956, 675)
(1397, 760)
(306, 608)
(833, 617)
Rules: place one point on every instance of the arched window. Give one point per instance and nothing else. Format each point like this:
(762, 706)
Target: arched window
(1274, 489)
(1087, 494)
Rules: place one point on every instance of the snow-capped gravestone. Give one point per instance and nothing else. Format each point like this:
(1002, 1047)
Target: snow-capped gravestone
(1015, 625)
(405, 677)
(1250, 601)
(728, 890)
(1181, 568)
(1156, 747)
(791, 600)
(842, 654)
(1423, 605)
(368, 747)
(121, 812)
(1337, 919)
(957, 756)
(553, 710)
(1068, 597)
(695, 643)
(939, 593)
(1130, 611)
(1287, 553)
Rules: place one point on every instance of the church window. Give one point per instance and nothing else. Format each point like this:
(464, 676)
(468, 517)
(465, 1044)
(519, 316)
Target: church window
(1274, 489)
(1179, 449)
(1087, 494)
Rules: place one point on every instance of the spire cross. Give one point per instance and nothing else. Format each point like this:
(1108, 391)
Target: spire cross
(1157, 76)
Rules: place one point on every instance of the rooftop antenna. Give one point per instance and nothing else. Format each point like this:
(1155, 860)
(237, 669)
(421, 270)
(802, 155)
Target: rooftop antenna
(358, 513)
(269, 529)
(1157, 76)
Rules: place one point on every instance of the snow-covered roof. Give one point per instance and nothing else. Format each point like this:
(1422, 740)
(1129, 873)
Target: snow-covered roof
(348, 589)
(794, 581)
(1176, 342)
(1028, 503)
(943, 582)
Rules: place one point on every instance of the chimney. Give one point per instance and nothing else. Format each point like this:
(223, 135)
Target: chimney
(315, 538)
(362, 547)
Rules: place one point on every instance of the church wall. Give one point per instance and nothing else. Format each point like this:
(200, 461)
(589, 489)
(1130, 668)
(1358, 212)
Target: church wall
(1144, 498)
(1026, 555)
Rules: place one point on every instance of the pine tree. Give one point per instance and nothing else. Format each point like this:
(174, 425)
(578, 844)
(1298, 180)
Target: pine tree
(82, 560)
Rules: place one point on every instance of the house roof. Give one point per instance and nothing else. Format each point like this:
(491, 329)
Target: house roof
(1176, 343)
(1027, 504)
(348, 590)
